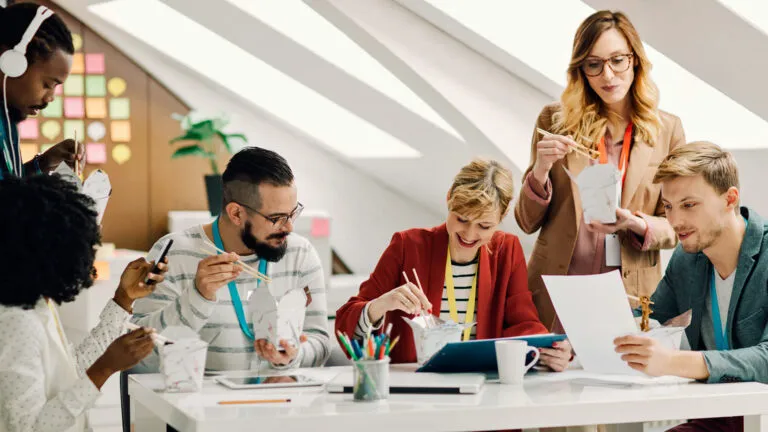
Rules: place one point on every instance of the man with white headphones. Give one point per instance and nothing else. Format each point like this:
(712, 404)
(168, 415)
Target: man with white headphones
(36, 56)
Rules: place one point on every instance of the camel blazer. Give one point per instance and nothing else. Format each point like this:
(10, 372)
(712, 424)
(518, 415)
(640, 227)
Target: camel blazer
(559, 221)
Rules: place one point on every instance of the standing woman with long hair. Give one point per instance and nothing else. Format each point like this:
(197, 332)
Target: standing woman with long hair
(610, 104)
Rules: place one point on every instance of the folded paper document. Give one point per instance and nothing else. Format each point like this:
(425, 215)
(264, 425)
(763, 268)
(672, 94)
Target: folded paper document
(594, 310)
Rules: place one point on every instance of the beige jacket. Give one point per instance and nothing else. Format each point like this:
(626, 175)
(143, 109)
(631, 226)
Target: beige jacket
(559, 221)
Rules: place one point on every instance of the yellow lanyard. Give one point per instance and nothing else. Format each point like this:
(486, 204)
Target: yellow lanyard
(452, 296)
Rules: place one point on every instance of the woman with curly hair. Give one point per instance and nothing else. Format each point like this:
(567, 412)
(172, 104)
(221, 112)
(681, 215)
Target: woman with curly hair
(49, 233)
(610, 105)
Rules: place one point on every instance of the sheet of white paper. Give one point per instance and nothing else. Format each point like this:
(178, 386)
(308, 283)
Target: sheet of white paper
(594, 310)
(600, 192)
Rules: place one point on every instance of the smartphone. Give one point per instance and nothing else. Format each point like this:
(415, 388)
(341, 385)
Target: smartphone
(159, 260)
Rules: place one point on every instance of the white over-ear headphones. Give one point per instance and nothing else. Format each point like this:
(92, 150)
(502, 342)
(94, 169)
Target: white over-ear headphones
(13, 62)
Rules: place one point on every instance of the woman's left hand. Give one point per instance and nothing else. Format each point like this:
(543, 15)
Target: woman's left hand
(556, 358)
(132, 281)
(625, 220)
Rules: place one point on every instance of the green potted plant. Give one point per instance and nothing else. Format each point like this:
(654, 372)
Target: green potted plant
(203, 138)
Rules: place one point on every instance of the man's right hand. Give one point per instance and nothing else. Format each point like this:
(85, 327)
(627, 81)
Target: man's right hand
(407, 298)
(215, 272)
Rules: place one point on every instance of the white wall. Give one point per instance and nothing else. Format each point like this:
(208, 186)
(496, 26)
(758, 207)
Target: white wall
(364, 211)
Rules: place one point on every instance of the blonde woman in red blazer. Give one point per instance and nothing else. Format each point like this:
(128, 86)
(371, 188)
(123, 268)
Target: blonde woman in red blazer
(480, 255)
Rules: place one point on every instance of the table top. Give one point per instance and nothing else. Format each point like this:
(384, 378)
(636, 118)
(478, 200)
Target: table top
(546, 399)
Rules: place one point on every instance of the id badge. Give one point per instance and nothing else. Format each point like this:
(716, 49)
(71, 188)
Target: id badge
(612, 250)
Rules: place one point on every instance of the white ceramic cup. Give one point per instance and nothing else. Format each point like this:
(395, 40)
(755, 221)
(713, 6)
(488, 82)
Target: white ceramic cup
(510, 358)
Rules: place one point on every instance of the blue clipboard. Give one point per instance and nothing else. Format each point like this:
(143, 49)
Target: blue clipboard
(479, 355)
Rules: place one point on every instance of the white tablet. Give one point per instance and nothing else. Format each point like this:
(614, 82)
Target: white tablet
(261, 381)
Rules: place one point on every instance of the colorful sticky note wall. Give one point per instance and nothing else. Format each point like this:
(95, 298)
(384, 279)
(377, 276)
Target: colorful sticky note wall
(70, 126)
(96, 153)
(96, 108)
(95, 86)
(121, 153)
(78, 64)
(28, 129)
(28, 151)
(116, 86)
(119, 108)
(73, 107)
(121, 131)
(94, 63)
(55, 109)
(50, 129)
(74, 85)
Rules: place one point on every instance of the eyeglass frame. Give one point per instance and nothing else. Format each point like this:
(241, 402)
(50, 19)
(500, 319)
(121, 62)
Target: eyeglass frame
(275, 219)
(604, 61)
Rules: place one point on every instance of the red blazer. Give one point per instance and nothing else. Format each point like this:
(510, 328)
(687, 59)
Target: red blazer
(504, 304)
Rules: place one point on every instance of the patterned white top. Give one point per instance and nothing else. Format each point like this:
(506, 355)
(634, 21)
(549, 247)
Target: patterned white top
(176, 302)
(43, 385)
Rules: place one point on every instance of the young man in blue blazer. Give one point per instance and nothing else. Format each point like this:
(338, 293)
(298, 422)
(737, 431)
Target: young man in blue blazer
(719, 270)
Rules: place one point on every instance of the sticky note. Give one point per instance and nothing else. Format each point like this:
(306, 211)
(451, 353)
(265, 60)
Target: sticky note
(321, 227)
(28, 151)
(102, 270)
(70, 126)
(78, 65)
(28, 129)
(55, 109)
(97, 131)
(74, 85)
(94, 63)
(121, 131)
(50, 129)
(73, 107)
(45, 147)
(95, 86)
(121, 154)
(117, 86)
(96, 108)
(96, 153)
(77, 41)
(119, 108)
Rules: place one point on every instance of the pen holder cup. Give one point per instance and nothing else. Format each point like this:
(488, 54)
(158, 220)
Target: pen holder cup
(370, 380)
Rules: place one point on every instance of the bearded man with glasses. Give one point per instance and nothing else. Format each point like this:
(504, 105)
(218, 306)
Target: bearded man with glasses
(212, 294)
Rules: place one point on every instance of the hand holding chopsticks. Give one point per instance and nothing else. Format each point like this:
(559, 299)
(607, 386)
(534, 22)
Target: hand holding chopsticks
(212, 250)
(588, 152)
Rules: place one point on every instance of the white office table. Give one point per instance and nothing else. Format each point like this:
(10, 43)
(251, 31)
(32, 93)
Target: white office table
(546, 399)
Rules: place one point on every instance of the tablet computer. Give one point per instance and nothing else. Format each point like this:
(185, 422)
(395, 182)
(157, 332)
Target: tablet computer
(265, 381)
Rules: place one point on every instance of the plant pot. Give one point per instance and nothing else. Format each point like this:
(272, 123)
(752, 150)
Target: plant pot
(214, 187)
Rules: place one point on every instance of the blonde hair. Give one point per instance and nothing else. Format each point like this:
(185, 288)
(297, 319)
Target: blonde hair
(582, 114)
(480, 188)
(718, 167)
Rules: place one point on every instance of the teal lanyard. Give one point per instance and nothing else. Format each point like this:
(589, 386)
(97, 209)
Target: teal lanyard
(236, 302)
(720, 340)
(10, 163)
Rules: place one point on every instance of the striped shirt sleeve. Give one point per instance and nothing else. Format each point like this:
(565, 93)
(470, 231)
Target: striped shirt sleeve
(316, 350)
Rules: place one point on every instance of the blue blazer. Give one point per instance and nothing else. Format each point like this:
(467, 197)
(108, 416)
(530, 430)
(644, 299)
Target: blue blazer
(686, 286)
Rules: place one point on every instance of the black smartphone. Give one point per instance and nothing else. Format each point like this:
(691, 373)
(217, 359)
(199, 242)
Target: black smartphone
(159, 260)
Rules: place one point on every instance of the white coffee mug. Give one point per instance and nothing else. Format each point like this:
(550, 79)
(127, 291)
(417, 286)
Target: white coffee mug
(510, 358)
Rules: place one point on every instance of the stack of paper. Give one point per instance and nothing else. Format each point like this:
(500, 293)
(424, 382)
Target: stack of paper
(600, 192)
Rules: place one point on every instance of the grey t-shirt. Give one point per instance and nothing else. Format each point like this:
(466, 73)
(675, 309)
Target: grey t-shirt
(724, 288)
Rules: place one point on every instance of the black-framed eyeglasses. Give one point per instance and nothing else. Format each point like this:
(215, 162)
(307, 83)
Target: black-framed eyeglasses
(278, 221)
(593, 66)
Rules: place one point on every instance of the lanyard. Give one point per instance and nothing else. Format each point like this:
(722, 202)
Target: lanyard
(452, 296)
(720, 340)
(8, 147)
(624, 158)
(236, 302)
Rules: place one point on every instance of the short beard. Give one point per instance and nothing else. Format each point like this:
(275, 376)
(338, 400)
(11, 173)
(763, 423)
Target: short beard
(261, 249)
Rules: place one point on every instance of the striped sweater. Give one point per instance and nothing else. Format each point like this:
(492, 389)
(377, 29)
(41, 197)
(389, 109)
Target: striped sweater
(463, 274)
(176, 302)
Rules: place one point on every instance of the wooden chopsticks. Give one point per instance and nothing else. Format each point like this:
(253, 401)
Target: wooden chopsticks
(246, 268)
(588, 152)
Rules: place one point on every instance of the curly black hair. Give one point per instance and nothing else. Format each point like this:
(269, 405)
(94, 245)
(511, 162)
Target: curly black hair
(48, 232)
(53, 34)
